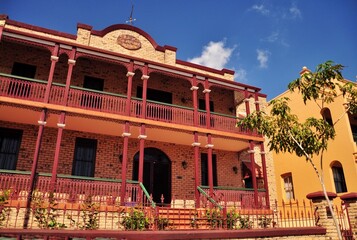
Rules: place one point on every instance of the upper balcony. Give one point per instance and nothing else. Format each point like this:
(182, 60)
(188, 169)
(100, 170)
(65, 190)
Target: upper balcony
(81, 98)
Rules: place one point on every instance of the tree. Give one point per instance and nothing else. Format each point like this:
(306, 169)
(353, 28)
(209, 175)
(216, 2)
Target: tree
(286, 133)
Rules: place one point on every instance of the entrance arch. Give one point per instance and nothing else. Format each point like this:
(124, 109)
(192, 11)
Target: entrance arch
(156, 174)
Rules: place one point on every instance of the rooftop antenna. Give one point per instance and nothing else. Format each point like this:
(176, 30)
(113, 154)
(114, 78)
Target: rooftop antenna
(131, 19)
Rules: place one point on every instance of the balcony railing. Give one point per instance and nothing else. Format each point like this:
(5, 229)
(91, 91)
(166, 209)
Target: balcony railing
(241, 198)
(69, 189)
(34, 90)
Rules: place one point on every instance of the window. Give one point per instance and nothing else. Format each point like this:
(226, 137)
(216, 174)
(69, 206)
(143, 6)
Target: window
(20, 88)
(89, 99)
(23, 70)
(326, 114)
(288, 186)
(338, 177)
(84, 157)
(202, 107)
(10, 140)
(204, 169)
(157, 96)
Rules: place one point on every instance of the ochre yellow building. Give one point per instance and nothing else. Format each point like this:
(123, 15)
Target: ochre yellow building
(295, 177)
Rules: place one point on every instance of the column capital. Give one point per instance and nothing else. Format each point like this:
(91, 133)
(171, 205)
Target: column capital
(257, 102)
(194, 88)
(209, 146)
(246, 100)
(71, 61)
(206, 91)
(130, 74)
(251, 151)
(196, 144)
(126, 134)
(42, 123)
(61, 125)
(263, 153)
(145, 77)
(54, 58)
(141, 136)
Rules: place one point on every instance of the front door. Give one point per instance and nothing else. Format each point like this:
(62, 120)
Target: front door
(157, 174)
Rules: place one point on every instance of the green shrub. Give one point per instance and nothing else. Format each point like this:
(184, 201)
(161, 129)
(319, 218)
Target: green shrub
(135, 219)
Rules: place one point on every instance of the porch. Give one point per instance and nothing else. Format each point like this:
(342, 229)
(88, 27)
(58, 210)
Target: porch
(76, 202)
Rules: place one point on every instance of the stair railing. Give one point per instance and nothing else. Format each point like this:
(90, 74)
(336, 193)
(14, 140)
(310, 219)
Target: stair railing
(153, 204)
(209, 198)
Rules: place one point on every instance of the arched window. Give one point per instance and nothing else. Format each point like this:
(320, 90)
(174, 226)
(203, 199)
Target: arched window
(338, 177)
(326, 114)
(288, 186)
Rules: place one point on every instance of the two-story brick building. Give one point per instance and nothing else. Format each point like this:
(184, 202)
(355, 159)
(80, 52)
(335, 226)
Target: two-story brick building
(100, 112)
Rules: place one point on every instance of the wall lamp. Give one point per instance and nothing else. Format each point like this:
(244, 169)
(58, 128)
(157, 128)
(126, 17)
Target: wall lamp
(235, 169)
(184, 164)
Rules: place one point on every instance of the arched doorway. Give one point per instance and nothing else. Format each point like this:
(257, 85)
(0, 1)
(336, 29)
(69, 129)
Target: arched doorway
(156, 175)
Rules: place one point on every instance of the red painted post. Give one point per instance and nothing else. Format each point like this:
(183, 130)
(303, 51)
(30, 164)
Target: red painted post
(54, 60)
(246, 100)
(60, 125)
(126, 136)
(206, 91)
(145, 78)
(142, 138)
(262, 152)
(194, 89)
(42, 123)
(130, 75)
(254, 177)
(196, 147)
(209, 147)
(71, 63)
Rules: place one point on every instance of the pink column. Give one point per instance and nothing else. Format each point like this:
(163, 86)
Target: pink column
(126, 136)
(54, 60)
(60, 125)
(130, 75)
(71, 63)
(196, 148)
(262, 152)
(209, 147)
(194, 89)
(145, 78)
(208, 111)
(142, 138)
(246, 100)
(42, 123)
(254, 177)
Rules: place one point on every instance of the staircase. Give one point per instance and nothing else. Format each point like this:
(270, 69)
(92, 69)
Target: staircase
(182, 218)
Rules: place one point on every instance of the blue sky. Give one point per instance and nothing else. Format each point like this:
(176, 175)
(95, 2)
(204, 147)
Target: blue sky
(266, 42)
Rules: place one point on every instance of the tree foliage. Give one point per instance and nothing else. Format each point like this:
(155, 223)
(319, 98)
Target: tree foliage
(307, 138)
(285, 131)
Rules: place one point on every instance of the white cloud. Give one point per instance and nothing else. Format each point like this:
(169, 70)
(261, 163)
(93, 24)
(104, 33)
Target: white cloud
(295, 11)
(276, 37)
(240, 75)
(260, 9)
(214, 55)
(263, 57)
(273, 37)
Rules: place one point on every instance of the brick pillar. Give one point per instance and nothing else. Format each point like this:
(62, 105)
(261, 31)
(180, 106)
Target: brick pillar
(350, 202)
(322, 213)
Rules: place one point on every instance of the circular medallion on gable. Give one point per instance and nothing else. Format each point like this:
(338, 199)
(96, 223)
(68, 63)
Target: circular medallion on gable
(129, 42)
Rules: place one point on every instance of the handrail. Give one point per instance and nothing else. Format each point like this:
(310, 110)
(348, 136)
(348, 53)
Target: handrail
(147, 194)
(22, 78)
(209, 198)
(234, 188)
(67, 176)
